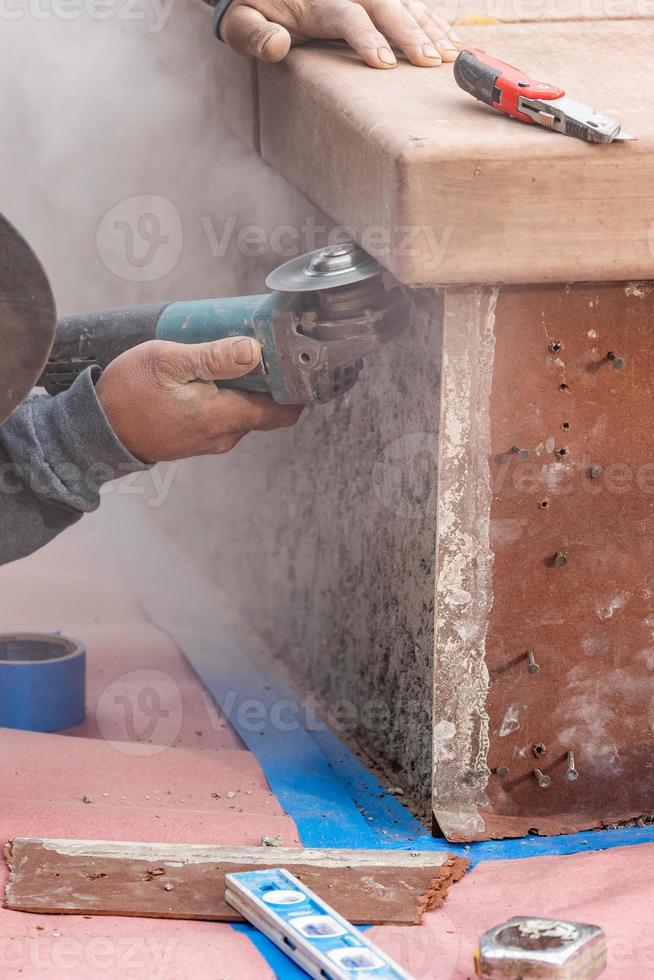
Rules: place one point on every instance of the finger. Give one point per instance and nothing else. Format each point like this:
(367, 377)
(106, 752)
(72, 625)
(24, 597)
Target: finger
(401, 28)
(231, 357)
(436, 29)
(238, 412)
(451, 35)
(449, 30)
(350, 22)
(248, 32)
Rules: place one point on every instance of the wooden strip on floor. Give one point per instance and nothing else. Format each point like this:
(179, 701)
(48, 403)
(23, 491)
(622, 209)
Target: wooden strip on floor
(184, 881)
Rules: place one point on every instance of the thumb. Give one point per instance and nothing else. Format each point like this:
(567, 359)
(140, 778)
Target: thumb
(248, 32)
(231, 357)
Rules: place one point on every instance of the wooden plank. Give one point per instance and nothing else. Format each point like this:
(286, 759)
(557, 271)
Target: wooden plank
(445, 190)
(236, 95)
(181, 881)
(549, 389)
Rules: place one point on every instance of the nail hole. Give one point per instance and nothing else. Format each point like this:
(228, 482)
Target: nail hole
(539, 749)
(564, 387)
(543, 504)
(565, 426)
(304, 357)
(555, 346)
(563, 451)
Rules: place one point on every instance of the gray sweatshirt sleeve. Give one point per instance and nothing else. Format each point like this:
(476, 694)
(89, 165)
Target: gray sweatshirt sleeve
(55, 455)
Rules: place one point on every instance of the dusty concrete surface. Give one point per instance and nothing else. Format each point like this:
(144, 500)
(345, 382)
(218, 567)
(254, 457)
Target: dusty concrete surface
(323, 538)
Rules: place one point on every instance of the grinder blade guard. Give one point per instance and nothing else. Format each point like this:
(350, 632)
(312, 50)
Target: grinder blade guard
(330, 309)
(347, 313)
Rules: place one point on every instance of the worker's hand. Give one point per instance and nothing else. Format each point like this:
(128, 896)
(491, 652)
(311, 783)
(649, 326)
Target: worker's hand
(266, 29)
(162, 404)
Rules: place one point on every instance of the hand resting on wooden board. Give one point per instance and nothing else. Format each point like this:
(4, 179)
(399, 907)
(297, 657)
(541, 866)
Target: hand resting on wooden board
(266, 29)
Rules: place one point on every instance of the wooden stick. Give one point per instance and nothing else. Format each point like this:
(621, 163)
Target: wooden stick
(186, 881)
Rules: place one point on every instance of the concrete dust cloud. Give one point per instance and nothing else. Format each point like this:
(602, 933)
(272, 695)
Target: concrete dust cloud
(117, 164)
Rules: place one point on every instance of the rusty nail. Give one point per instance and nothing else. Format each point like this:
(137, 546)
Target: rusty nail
(543, 781)
(532, 666)
(596, 472)
(618, 362)
(502, 771)
(521, 453)
(571, 773)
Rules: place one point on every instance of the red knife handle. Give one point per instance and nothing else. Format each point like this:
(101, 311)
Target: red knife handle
(499, 85)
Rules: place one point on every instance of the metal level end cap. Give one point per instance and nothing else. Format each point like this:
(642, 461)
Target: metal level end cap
(325, 268)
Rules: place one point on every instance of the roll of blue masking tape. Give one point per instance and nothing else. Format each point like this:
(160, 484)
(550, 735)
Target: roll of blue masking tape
(42, 682)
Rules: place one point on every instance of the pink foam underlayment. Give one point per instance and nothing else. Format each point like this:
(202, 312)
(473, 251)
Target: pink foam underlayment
(161, 789)
(613, 889)
(189, 780)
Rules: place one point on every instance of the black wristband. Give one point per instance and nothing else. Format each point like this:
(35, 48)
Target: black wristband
(220, 9)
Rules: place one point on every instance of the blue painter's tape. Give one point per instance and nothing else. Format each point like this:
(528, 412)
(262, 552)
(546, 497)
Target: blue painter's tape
(279, 963)
(271, 726)
(395, 827)
(306, 787)
(42, 682)
(390, 822)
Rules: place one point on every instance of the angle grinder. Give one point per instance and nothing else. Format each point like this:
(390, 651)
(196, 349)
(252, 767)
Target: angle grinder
(327, 311)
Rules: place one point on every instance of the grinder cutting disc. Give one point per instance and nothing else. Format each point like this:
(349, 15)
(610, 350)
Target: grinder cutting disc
(336, 265)
(27, 318)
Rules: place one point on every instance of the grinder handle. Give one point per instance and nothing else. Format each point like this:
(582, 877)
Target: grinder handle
(97, 338)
